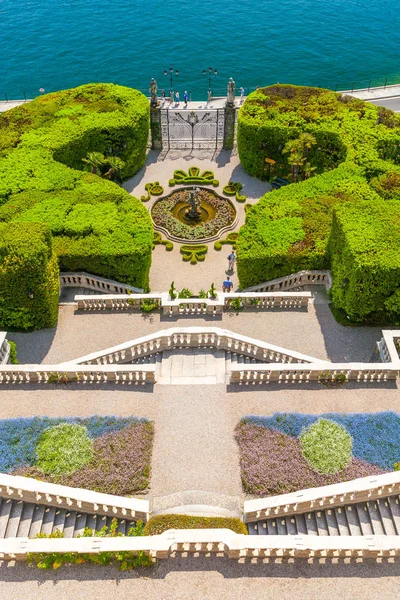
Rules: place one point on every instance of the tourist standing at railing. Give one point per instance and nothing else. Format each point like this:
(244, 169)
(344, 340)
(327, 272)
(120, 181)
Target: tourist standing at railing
(241, 95)
(186, 98)
(177, 100)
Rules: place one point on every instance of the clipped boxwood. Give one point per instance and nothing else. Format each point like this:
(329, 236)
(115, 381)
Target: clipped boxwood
(327, 446)
(29, 277)
(365, 248)
(93, 221)
(160, 523)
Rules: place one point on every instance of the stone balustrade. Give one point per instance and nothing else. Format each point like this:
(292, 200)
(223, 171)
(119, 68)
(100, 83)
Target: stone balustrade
(328, 496)
(75, 373)
(4, 348)
(294, 280)
(388, 345)
(195, 337)
(50, 494)
(199, 541)
(195, 306)
(295, 373)
(94, 282)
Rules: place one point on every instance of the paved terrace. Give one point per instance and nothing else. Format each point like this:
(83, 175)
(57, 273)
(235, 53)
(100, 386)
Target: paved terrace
(205, 579)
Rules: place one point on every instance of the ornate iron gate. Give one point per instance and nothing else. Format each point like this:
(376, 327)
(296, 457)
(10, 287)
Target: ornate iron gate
(192, 129)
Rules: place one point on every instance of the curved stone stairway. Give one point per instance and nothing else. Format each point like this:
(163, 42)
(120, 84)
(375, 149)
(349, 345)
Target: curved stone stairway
(26, 519)
(374, 517)
(191, 366)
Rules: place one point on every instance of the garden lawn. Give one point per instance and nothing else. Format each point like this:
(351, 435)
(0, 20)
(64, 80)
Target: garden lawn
(272, 461)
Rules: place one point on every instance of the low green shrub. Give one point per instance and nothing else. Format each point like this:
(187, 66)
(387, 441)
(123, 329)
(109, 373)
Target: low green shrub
(152, 189)
(123, 560)
(185, 293)
(149, 305)
(63, 449)
(327, 446)
(230, 239)
(194, 254)
(233, 189)
(158, 240)
(160, 523)
(193, 176)
(13, 353)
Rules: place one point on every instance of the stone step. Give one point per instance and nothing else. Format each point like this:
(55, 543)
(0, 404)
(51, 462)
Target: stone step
(375, 517)
(25, 519)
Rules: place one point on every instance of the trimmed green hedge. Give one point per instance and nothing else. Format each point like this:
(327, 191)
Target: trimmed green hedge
(96, 225)
(288, 230)
(160, 523)
(365, 248)
(29, 277)
(354, 161)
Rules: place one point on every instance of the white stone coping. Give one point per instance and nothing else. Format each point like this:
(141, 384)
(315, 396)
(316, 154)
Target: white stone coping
(210, 336)
(389, 336)
(329, 495)
(234, 545)
(297, 276)
(167, 301)
(102, 280)
(15, 486)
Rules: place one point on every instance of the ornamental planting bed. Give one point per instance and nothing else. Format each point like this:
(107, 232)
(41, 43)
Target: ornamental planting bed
(273, 449)
(162, 215)
(105, 454)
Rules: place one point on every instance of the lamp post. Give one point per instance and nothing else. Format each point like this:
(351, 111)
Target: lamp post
(171, 74)
(211, 73)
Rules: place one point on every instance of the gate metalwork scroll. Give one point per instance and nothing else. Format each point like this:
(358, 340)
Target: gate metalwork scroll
(192, 129)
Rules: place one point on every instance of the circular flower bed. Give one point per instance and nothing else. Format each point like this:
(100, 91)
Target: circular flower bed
(63, 449)
(221, 213)
(327, 446)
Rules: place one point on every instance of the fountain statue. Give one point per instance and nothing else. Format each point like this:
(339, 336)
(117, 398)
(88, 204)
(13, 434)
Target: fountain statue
(193, 213)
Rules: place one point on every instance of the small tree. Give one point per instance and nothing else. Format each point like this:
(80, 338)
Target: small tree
(95, 160)
(298, 150)
(116, 165)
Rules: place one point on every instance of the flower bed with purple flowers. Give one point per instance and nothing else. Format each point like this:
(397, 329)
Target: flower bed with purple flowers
(121, 452)
(272, 461)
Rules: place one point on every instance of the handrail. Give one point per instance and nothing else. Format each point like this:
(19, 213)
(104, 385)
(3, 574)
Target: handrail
(42, 492)
(337, 494)
(71, 372)
(210, 306)
(306, 277)
(192, 541)
(95, 282)
(211, 337)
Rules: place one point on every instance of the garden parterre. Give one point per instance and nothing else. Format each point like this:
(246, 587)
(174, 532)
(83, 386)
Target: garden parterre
(117, 462)
(272, 460)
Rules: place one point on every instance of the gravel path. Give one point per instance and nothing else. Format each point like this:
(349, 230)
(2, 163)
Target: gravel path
(314, 332)
(206, 579)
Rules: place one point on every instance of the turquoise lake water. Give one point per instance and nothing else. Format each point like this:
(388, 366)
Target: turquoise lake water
(57, 44)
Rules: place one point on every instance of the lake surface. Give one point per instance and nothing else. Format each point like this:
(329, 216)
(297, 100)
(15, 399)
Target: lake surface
(56, 44)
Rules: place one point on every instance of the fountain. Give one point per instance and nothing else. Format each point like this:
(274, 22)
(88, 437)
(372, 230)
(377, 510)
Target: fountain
(193, 214)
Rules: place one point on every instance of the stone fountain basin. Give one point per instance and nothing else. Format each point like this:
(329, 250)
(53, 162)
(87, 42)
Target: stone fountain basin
(208, 213)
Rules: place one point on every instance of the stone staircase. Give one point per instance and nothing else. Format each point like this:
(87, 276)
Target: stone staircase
(27, 519)
(374, 517)
(191, 366)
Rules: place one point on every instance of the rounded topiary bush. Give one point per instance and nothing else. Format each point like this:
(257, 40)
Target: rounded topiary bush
(327, 446)
(63, 449)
